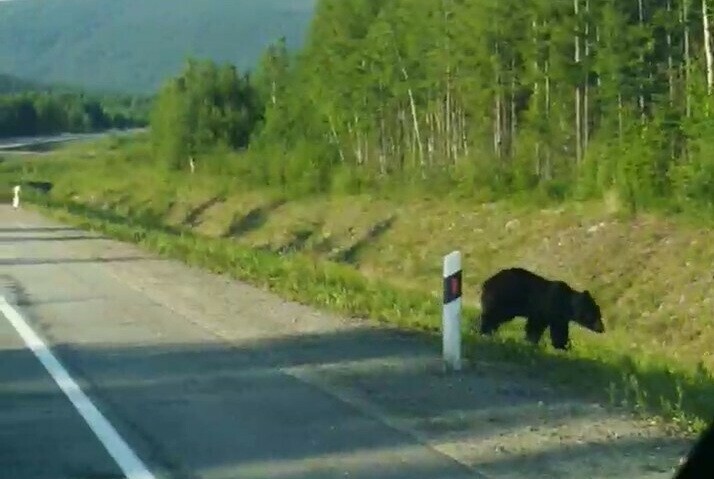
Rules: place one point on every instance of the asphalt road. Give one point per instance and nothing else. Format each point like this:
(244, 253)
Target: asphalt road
(199, 376)
(29, 142)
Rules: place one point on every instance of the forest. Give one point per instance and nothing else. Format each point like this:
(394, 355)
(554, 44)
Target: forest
(567, 98)
(572, 137)
(11, 84)
(28, 109)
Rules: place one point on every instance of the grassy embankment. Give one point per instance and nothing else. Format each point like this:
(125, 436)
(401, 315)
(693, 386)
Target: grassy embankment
(381, 258)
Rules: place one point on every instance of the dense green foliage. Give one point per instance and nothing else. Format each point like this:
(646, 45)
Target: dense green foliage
(206, 106)
(576, 97)
(134, 45)
(47, 112)
(11, 84)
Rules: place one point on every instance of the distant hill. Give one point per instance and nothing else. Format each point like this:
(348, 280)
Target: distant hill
(11, 84)
(134, 45)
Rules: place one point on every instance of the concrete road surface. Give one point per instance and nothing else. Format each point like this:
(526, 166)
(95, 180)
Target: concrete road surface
(114, 363)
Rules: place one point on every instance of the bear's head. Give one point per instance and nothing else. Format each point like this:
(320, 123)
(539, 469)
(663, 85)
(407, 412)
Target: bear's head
(587, 312)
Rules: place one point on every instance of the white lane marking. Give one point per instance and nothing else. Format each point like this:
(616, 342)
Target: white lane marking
(130, 464)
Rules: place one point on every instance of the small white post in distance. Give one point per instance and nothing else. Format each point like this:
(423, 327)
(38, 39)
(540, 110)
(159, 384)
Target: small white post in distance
(451, 319)
(16, 197)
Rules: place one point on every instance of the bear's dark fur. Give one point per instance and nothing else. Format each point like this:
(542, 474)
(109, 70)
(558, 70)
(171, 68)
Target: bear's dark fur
(700, 460)
(544, 303)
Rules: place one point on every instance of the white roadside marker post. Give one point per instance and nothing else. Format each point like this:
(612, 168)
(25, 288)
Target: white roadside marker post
(451, 319)
(16, 197)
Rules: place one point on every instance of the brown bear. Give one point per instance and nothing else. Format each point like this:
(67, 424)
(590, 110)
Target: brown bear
(544, 303)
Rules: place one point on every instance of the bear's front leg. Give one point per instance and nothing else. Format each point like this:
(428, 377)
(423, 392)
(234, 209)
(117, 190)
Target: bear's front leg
(559, 335)
(535, 328)
(490, 322)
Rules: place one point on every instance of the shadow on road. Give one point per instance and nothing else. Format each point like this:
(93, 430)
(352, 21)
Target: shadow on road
(251, 408)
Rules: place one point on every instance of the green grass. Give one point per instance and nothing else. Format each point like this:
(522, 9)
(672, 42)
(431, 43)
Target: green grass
(328, 252)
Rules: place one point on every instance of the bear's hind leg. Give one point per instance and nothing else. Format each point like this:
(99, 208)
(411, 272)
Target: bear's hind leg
(559, 336)
(535, 329)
